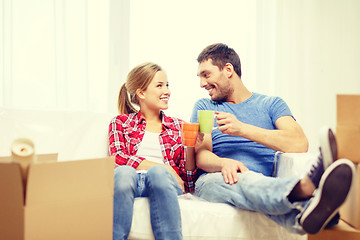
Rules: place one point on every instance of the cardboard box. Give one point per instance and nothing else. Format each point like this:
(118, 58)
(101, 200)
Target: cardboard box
(341, 231)
(63, 200)
(348, 127)
(350, 210)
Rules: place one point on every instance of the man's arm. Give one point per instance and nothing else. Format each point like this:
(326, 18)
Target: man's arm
(288, 137)
(209, 162)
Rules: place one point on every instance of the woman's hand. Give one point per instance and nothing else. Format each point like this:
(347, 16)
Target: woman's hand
(177, 177)
(199, 140)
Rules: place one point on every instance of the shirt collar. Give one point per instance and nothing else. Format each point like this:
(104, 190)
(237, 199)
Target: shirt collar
(165, 120)
(139, 117)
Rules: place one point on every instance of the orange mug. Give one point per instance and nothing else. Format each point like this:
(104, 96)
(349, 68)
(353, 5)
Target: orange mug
(189, 133)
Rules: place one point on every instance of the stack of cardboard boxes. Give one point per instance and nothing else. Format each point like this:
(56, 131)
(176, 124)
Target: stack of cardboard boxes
(60, 200)
(348, 140)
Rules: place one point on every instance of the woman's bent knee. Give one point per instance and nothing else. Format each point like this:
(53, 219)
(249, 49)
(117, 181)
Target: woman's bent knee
(125, 179)
(161, 177)
(158, 170)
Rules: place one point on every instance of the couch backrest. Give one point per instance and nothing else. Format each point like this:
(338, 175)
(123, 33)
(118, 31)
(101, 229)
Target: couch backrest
(73, 135)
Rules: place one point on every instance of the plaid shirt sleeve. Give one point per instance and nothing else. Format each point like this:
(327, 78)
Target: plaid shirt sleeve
(118, 146)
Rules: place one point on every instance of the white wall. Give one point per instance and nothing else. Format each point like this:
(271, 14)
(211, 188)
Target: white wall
(317, 56)
(174, 34)
(55, 54)
(64, 54)
(304, 51)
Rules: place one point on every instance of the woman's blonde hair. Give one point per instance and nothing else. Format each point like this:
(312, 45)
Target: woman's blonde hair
(138, 78)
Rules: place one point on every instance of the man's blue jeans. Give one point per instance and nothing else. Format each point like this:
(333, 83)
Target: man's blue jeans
(162, 189)
(254, 192)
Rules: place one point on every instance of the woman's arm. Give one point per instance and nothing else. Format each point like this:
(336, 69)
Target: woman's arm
(146, 164)
(190, 163)
(117, 146)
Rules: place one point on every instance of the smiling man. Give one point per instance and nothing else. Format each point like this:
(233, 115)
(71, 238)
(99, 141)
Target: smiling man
(238, 156)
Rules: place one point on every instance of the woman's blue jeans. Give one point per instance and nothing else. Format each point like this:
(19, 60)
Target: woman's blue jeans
(162, 189)
(255, 192)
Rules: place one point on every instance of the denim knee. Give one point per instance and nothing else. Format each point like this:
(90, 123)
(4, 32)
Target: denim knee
(125, 179)
(162, 180)
(208, 180)
(158, 174)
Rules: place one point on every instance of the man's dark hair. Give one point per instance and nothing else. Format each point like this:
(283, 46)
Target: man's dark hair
(220, 54)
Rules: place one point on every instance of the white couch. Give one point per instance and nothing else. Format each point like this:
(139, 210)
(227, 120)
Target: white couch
(82, 135)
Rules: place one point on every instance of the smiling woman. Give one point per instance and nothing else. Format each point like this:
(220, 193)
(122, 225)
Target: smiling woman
(156, 95)
(149, 154)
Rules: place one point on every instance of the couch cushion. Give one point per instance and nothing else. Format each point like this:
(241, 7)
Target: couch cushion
(202, 220)
(73, 135)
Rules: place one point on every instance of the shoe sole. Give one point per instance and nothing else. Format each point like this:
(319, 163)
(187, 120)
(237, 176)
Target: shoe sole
(328, 146)
(333, 189)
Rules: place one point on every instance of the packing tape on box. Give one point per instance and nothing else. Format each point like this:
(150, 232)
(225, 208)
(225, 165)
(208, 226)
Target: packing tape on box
(23, 152)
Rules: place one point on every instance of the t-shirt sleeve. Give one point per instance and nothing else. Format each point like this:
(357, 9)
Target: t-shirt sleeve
(201, 104)
(279, 108)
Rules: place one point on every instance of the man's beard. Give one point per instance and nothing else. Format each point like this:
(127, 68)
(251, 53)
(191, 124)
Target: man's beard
(223, 94)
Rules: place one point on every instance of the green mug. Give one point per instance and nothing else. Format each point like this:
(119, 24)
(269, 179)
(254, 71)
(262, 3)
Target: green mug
(206, 119)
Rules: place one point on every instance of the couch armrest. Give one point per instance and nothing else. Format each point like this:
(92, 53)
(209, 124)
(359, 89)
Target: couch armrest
(293, 164)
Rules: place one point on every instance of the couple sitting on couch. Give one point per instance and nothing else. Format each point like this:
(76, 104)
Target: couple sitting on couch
(236, 159)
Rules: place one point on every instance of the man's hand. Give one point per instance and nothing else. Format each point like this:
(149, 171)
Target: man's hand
(228, 123)
(230, 168)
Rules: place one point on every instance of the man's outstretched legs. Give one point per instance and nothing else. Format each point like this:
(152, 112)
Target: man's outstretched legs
(283, 199)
